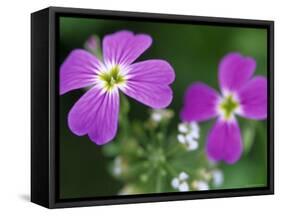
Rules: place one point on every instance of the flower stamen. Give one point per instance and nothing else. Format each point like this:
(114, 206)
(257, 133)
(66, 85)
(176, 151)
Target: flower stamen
(228, 106)
(112, 78)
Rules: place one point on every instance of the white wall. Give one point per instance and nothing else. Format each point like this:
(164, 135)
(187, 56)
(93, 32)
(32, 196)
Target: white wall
(15, 106)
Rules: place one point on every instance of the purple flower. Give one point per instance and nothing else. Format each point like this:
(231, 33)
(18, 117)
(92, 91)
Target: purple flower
(93, 46)
(92, 43)
(243, 94)
(96, 112)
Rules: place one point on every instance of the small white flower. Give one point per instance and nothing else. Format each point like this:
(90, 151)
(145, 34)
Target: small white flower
(217, 177)
(183, 176)
(194, 130)
(117, 166)
(189, 135)
(180, 183)
(193, 145)
(158, 115)
(175, 183)
(194, 127)
(181, 139)
(201, 185)
(194, 134)
(117, 170)
(183, 128)
(183, 187)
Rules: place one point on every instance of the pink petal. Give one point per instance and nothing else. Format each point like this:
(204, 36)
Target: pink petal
(253, 98)
(78, 70)
(123, 47)
(149, 81)
(95, 114)
(224, 142)
(200, 103)
(158, 71)
(235, 70)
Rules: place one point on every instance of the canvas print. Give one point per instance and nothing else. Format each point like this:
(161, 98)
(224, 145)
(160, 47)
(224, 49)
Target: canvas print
(153, 107)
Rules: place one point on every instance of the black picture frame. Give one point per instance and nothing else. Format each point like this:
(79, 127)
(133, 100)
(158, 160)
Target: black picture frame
(44, 106)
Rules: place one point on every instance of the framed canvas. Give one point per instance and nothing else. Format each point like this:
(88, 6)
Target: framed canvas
(140, 107)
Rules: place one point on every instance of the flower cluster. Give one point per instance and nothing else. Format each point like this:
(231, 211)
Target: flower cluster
(189, 135)
(180, 182)
(202, 181)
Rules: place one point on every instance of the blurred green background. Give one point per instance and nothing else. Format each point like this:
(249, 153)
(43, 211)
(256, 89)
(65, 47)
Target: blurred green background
(194, 51)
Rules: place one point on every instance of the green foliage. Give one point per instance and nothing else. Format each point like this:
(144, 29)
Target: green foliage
(147, 156)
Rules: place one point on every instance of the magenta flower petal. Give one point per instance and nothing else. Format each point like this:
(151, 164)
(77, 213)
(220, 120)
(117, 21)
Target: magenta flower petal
(200, 103)
(95, 114)
(224, 142)
(124, 47)
(78, 70)
(149, 81)
(253, 98)
(157, 71)
(235, 70)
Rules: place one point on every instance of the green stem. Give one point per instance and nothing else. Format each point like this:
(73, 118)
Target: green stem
(159, 182)
(177, 149)
(171, 170)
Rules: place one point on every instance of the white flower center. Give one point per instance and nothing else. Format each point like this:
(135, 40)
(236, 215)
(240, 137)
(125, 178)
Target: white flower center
(112, 77)
(228, 106)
